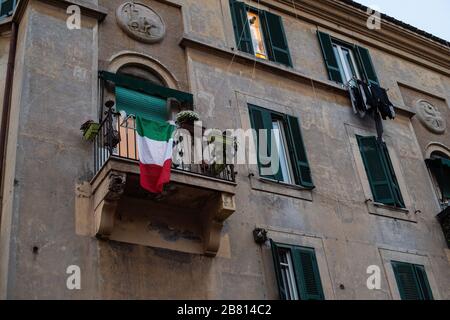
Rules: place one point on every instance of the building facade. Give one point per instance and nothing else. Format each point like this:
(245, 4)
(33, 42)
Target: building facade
(342, 211)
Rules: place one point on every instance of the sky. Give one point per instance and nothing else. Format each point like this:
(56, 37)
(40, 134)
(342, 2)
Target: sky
(432, 16)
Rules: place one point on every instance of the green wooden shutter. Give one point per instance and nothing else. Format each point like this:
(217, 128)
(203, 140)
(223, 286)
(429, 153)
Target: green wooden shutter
(307, 274)
(406, 281)
(445, 178)
(367, 65)
(300, 160)
(139, 104)
(7, 7)
(275, 38)
(276, 264)
(376, 170)
(393, 178)
(330, 59)
(262, 119)
(241, 27)
(422, 279)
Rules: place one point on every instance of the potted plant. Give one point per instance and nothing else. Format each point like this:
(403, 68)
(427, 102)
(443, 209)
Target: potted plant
(186, 120)
(229, 145)
(90, 130)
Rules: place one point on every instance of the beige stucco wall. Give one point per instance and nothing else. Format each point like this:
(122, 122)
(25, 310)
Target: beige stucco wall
(334, 218)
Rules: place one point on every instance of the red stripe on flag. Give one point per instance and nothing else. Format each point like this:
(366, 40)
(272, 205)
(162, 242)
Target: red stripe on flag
(153, 177)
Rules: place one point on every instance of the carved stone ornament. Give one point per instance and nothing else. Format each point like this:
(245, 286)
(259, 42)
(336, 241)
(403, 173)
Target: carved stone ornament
(430, 117)
(141, 22)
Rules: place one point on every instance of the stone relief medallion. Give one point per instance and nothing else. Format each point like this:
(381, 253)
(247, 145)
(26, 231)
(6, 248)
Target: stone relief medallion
(430, 117)
(141, 22)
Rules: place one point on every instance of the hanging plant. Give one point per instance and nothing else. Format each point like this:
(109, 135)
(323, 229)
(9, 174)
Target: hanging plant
(90, 130)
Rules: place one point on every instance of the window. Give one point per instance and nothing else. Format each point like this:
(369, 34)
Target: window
(297, 272)
(284, 133)
(346, 61)
(439, 165)
(7, 7)
(259, 33)
(412, 281)
(380, 172)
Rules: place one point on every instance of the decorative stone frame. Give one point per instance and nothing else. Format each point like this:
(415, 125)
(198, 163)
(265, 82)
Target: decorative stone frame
(387, 256)
(257, 182)
(407, 214)
(290, 237)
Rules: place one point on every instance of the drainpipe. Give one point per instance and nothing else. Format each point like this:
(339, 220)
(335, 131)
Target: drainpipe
(7, 106)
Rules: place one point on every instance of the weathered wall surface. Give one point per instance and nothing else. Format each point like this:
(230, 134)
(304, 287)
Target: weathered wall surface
(58, 92)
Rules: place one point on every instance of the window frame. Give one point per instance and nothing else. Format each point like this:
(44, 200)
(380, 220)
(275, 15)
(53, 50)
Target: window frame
(421, 290)
(346, 74)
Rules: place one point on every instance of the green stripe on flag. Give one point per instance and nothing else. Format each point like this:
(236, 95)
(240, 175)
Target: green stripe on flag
(154, 130)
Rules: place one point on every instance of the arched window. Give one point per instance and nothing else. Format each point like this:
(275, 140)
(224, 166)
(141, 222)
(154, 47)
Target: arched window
(439, 165)
(141, 72)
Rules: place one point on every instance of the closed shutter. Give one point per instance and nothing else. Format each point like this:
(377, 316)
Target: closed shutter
(422, 279)
(376, 170)
(412, 281)
(297, 148)
(139, 104)
(330, 59)
(367, 65)
(307, 274)
(262, 119)
(275, 38)
(276, 264)
(394, 182)
(7, 7)
(241, 26)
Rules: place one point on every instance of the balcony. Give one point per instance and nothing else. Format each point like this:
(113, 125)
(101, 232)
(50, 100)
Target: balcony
(188, 216)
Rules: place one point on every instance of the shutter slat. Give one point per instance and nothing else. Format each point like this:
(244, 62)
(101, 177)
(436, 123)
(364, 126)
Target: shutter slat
(241, 26)
(376, 170)
(276, 263)
(331, 62)
(307, 274)
(302, 169)
(139, 104)
(261, 119)
(394, 182)
(367, 65)
(275, 38)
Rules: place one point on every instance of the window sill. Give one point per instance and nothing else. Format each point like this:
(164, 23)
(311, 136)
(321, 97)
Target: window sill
(380, 209)
(281, 188)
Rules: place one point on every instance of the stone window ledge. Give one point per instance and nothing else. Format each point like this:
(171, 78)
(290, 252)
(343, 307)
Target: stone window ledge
(383, 210)
(281, 188)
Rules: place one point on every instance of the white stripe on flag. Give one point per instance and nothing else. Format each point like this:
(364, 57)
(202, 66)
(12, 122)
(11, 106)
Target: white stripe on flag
(154, 152)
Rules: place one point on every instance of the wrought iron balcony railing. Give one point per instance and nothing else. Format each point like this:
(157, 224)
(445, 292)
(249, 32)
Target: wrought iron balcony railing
(116, 138)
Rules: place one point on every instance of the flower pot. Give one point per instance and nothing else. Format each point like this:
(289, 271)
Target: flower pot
(91, 131)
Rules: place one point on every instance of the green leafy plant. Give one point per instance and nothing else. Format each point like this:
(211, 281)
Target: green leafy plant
(90, 130)
(187, 116)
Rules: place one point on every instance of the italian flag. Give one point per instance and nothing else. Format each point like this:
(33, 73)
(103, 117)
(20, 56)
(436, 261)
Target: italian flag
(155, 145)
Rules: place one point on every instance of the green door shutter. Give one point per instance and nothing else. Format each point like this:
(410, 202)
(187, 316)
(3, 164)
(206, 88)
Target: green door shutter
(376, 170)
(307, 274)
(300, 160)
(330, 59)
(277, 266)
(139, 104)
(241, 27)
(422, 279)
(275, 38)
(393, 178)
(367, 65)
(262, 119)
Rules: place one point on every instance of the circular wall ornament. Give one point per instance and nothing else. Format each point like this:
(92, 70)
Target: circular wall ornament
(141, 22)
(430, 117)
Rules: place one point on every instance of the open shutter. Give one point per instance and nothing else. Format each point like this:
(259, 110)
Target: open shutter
(440, 168)
(7, 7)
(139, 104)
(406, 281)
(422, 279)
(275, 38)
(393, 178)
(276, 264)
(241, 27)
(300, 160)
(307, 274)
(330, 59)
(367, 65)
(376, 170)
(262, 119)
